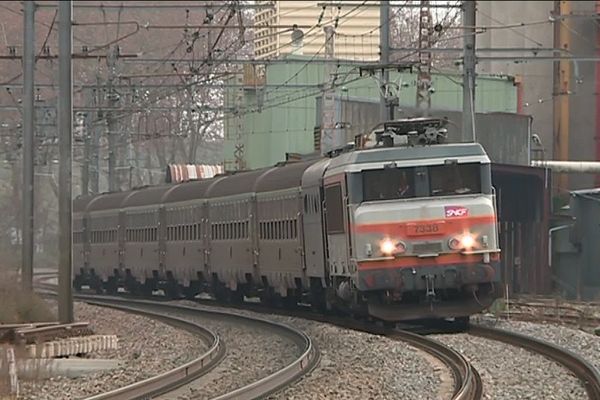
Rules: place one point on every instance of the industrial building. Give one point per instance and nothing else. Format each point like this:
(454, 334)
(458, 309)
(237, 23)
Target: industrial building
(282, 106)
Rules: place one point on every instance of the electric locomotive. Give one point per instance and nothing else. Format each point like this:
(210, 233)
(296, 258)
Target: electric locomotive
(411, 225)
(399, 226)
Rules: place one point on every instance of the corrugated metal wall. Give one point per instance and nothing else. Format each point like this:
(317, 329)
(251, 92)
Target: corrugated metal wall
(576, 254)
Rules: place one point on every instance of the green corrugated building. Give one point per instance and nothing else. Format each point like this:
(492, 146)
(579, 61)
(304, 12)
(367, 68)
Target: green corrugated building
(279, 114)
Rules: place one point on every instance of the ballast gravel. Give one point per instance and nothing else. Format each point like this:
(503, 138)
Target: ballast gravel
(145, 348)
(577, 341)
(252, 352)
(353, 365)
(512, 373)
(358, 365)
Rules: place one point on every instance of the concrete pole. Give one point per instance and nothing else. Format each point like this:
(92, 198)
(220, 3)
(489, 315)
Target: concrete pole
(85, 167)
(329, 139)
(28, 148)
(95, 145)
(468, 117)
(424, 66)
(65, 129)
(114, 182)
(384, 58)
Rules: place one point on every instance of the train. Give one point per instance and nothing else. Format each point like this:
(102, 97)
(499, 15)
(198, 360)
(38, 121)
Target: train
(399, 226)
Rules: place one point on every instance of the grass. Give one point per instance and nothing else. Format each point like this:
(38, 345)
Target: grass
(18, 306)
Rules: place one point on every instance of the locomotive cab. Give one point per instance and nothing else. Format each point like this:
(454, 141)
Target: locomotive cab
(415, 233)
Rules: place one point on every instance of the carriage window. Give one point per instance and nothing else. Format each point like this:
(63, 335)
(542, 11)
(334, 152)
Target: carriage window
(446, 180)
(335, 209)
(388, 184)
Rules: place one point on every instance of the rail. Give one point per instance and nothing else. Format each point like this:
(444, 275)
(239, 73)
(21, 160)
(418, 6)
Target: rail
(467, 382)
(270, 384)
(173, 378)
(169, 380)
(567, 313)
(582, 369)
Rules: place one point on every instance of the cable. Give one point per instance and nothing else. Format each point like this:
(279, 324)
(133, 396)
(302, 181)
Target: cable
(318, 52)
(45, 42)
(20, 13)
(515, 31)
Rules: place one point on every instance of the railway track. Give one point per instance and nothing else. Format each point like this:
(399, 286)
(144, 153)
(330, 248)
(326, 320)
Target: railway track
(576, 314)
(577, 365)
(174, 378)
(467, 382)
(197, 368)
(303, 364)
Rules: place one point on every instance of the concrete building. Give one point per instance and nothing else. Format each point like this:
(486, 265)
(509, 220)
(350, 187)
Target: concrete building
(357, 32)
(528, 24)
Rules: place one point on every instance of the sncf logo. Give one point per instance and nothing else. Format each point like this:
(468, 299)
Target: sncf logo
(455, 211)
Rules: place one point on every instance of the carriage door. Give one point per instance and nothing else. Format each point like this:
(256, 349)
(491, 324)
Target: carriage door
(336, 227)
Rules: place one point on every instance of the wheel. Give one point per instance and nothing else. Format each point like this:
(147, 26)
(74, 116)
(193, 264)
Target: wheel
(235, 296)
(172, 291)
(147, 287)
(77, 283)
(96, 284)
(111, 285)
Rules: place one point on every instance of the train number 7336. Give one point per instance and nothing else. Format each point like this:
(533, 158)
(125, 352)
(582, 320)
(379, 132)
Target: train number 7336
(424, 229)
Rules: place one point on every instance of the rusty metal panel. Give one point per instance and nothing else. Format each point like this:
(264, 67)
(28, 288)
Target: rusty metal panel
(523, 199)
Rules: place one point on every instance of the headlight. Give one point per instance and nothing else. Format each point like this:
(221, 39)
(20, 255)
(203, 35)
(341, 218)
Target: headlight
(389, 247)
(466, 241)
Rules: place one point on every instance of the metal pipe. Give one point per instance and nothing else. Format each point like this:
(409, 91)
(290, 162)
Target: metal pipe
(583, 167)
(65, 129)
(550, 232)
(28, 147)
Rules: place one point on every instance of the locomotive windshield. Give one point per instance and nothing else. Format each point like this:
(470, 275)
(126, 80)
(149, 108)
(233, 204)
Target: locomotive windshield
(388, 184)
(404, 183)
(452, 179)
